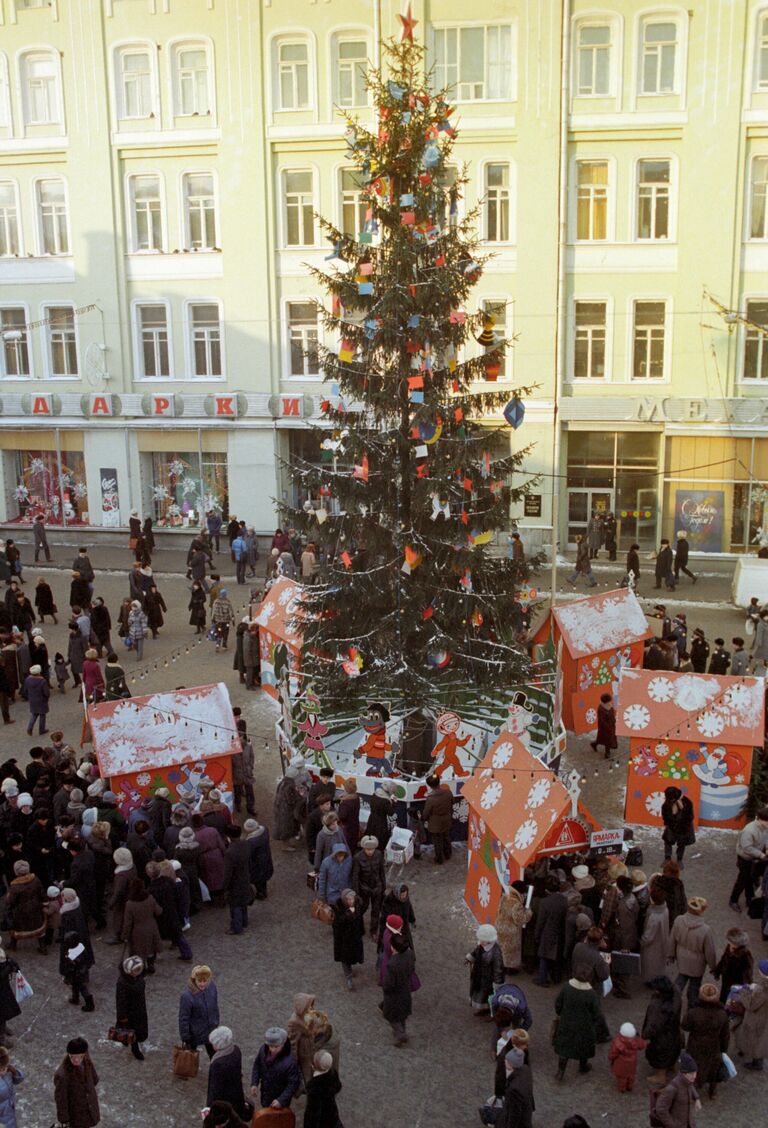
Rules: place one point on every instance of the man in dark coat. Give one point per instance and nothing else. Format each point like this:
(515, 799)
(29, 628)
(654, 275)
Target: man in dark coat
(314, 823)
(518, 1093)
(677, 1103)
(550, 933)
(397, 1004)
(41, 539)
(82, 878)
(368, 878)
(131, 1002)
(74, 1085)
(699, 652)
(721, 658)
(276, 1070)
(438, 817)
(237, 879)
(322, 1090)
(663, 570)
(325, 786)
(682, 548)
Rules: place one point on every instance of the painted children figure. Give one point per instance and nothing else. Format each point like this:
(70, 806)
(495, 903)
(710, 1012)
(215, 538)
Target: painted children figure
(448, 725)
(623, 1056)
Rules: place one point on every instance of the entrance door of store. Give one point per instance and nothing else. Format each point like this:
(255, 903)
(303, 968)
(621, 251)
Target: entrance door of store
(581, 505)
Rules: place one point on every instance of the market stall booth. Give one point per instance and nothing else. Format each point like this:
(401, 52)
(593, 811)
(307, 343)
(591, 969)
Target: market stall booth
(176, 740)
(279, 637)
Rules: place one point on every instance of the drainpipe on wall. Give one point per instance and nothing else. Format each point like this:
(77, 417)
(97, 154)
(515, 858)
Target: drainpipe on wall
(377, 34)
(57, 433)
(560, 325)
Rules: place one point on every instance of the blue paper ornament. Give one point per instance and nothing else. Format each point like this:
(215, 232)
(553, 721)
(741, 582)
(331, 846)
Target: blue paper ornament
(514, 412)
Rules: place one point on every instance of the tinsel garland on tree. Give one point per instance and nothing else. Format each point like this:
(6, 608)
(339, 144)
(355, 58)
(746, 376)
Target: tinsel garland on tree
(411, 607)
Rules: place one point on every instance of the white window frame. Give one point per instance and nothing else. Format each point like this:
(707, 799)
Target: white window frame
(633, 300)
(286, 37)
(130, 211)
(6, 117)
(750, 381)
(348, 35)
(597, 19)
(39, 217)
(507, 373)
(748, 236)
(14, 184)
(189, 347)
(607, 301)
(138, 343)
(461, 25)
(761, 48)
(297, 299)
(511, 193)
(339, 196)
(610, 223)
(195, 43)
(281, 174)
(657, 16)
(28, 333)
(635, 201)
(186, 240)
(58, 89)
(47, 331)
(135, 46)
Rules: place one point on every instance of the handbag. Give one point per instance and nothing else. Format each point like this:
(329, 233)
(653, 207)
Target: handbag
(312, 880)
(625, 963)
(274, 1118)
(756, 908)
(730, 1068)
(607, 986)
(21, 988)
(132, 542)
(205, 892)
(492, 1111)
(415, 982)
(749, 627)
(128, 642)
(121, 1034)
(185, 1062)
(318, 910)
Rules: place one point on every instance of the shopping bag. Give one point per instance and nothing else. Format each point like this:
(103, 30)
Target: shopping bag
(185, 1062)
(274, 1118)
(730, 1068)
(320, 911)
(749, 628)
(607, 986)
(205, 892)
(132, 542)
(122, 1035)
(128, 642)
(21, 988)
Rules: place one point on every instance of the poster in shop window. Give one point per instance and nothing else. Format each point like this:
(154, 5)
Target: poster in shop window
(700, 513)
(110, 499)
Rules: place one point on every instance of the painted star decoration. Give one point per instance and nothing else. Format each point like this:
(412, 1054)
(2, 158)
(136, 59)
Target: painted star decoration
(409, 23)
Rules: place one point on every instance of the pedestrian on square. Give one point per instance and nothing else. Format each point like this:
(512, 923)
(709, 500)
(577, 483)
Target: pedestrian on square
(348, 931)
(329, 836)
(398, 989)
(709, 1035)
(511, 919)
(670, 883)
(606, 726)
(93, 678)
(692, 946)
(486, 964)
(752, 1031)
(578, 1017)
(654, 942)
(760, 645)
(74, 1086)
(212, 865)
(699, 651)
(199, 1010)
(595, 534)
(623, 1056)
(349, 813)
(37, 692)
(678, 1101)
(661, 1026)
(739, 658)
(162, 889)
(197, 607)
(40, 537)
(213, 523)
(237, 879)
(633, 567)
(438, 818)
(663, 569)
(286, 825)
(721, 658)
(139, 931)
(252, 656)
(609, 534)
(115, 686)
(549, 933)
(735, 966)
(137, 629)
(75, 961)
(368, 878)
(322, 1089)
(677, 815)
(222, 618)
(397, 901)
(154, 606)
(682, 549)
(275, 1071)
(131, 1002)
(382, 805)
(243, 764)
(260, 855)
(582, 567)
(44, 601)
(10, 1077)
(225, 1072)
(751, 853)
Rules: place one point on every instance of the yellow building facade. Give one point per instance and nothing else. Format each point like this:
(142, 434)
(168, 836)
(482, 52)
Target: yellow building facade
(161, 164)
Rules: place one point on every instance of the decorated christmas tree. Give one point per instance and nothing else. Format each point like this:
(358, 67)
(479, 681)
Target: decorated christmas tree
(410, 606)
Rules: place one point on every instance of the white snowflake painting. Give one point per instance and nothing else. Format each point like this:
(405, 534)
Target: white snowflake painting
(491, 795)
(591, 716)
(461, 811)
(538, 793)
(503, 754)
(285, 596)
(661, 749)
(525, 834)
(636, 717)
(660, 689)
(484, 892)
(710, 724)
(144, 779)
(266, 612)
(654, 802)
(694, 693)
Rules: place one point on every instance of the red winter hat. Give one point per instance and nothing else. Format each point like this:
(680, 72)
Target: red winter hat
(395, 923)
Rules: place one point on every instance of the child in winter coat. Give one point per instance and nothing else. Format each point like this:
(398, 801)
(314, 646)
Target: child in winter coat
(735, 965)
(623, 1056)
(61, 671)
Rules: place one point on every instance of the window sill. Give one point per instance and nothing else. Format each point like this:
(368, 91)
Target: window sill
(145, 266)
(37, 268)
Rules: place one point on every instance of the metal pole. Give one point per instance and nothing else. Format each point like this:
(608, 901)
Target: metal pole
(376, 34)
(57, 433)
(560, 327)
(200, 515)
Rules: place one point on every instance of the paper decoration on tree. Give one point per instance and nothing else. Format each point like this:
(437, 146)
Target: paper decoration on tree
(361, 471)
(353, 663)
(487, 337)
(441, 507)
(438, 659)
(514, 413)
(492, 365)
(412, 560)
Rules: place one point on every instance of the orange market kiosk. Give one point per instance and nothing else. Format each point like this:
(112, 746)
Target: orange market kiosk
(692, 731)
(279, 636)
(595, 639)
(174, 740)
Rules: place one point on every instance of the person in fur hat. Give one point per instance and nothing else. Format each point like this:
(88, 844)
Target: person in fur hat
(735, 965)
(623, 1056)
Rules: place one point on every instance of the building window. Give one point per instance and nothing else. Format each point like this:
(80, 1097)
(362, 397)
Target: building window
(62, 341)
(15, 340)
(153, 329)
(40, 81)
(292, 74)
(589, 345)
(594, 60)
(199, 212)
(56, 489)
(5, 92)
(659, 57)
(653, 199)
(147, 214)
(299, 208)
(475, 63)
(206, 340)
(354, 203)
(592, 200)
(350, 69)
(496, 311)
(497, 203)
(181, 485)
(135, 76)
(9, 219)
(758, 209)
(303, 339)
(192, 80)
(756, 341)
(762, 52)
(52, 209)
(648, 340)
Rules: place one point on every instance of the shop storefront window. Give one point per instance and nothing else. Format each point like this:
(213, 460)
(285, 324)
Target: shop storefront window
(58, 492)
(713, 490)
(181, 494)
(614, 471)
